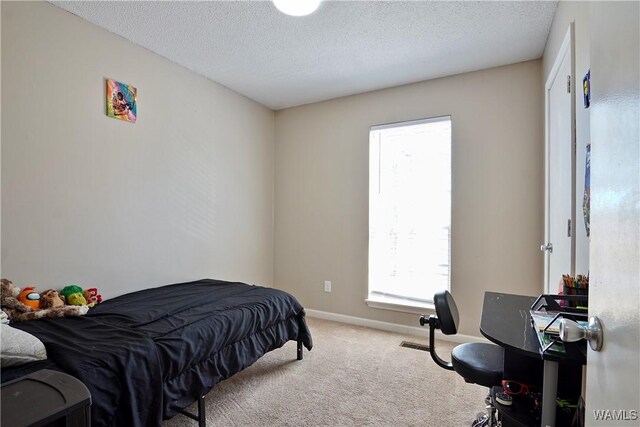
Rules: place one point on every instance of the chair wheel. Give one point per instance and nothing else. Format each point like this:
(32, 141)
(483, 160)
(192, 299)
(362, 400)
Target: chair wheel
(482, 420)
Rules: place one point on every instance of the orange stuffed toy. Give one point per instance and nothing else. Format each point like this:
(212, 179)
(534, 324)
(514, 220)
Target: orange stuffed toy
(30, 297)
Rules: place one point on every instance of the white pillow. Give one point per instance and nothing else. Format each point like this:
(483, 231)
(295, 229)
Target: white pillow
(19, 347)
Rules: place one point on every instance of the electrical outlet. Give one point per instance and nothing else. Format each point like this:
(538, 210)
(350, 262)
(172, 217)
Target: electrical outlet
(327, 286)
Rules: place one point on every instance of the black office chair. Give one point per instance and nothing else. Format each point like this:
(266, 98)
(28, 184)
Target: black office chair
(477, 363)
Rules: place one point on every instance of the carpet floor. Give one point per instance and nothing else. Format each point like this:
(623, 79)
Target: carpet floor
(354, 376)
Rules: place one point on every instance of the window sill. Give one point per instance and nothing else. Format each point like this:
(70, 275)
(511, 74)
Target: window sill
(398, 304)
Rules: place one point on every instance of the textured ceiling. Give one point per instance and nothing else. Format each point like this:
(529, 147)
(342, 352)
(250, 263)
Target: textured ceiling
(345, 47)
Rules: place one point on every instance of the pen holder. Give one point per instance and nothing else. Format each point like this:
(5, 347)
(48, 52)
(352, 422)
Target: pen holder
(578, 286)
(572, 290)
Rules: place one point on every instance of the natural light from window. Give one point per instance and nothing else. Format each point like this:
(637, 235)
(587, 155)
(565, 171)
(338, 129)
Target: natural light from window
(409, 211)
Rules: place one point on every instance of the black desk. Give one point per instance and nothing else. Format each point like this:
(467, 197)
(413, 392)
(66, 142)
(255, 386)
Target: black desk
(506, 321)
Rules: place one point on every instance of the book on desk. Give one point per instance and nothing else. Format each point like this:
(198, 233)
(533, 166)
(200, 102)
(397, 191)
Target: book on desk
(547, 326)
(546, 315)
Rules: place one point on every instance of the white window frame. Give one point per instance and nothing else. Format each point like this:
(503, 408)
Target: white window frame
(393, 303)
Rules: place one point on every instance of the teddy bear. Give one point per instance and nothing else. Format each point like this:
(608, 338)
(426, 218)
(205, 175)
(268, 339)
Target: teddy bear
(18, 311)
(50, 299)
(9, 299)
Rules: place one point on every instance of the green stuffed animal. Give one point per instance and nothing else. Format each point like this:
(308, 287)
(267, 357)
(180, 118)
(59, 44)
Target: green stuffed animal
(73, 295)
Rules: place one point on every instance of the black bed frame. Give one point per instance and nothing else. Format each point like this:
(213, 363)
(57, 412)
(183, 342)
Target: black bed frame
(200, 418)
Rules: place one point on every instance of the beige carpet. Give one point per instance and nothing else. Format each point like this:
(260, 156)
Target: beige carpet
(354, 376)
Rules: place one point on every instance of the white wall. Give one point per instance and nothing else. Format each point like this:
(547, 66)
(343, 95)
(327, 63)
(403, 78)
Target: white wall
(184, 193)
(321, 203)
(187, 192)
(578, 13)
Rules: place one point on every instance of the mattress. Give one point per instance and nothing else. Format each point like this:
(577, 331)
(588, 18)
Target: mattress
(146, 354)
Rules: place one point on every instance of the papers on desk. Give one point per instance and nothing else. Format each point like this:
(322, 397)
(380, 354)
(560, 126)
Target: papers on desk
(547, 330)
(547, 326)
(542, 320)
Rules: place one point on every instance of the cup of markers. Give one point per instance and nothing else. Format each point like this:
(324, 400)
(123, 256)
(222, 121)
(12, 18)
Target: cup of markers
(575, 286)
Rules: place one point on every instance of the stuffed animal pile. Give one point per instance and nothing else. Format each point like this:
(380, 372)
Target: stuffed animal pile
(29, 304)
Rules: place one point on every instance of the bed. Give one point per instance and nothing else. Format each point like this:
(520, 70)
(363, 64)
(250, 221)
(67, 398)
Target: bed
(147, 355)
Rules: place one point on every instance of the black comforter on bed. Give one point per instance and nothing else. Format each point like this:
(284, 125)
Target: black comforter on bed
(146, 354)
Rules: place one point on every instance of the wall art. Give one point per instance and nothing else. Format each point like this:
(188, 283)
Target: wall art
(122, 101)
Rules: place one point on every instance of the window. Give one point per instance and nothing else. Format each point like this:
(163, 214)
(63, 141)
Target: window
(409, 212)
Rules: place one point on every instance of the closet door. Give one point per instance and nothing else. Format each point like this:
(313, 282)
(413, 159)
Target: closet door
(559, 245)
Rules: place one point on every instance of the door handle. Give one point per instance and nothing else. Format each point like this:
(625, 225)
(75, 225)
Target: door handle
(571, 331)
(547, 247)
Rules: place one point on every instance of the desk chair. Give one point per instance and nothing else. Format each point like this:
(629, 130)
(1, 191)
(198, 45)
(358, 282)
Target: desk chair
(477, 363)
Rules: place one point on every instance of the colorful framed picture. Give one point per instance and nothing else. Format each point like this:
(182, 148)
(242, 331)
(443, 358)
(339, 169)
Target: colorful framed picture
(122, 101)
(586, 199)
(586, 89)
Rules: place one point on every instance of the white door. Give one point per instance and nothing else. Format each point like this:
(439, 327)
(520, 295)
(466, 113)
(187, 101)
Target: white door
(613, 374)
(559, 167)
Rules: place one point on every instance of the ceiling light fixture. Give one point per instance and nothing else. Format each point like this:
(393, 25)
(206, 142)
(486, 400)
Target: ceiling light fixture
(297, 7)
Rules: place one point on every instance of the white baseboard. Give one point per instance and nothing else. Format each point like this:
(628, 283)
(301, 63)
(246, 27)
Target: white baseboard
(391, 327)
